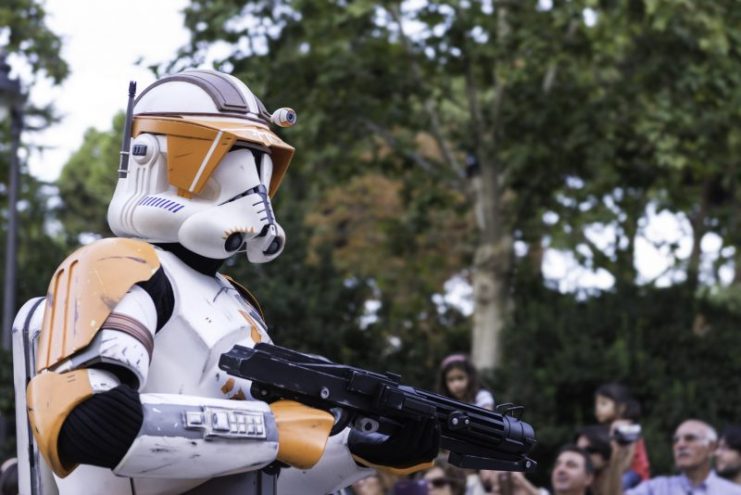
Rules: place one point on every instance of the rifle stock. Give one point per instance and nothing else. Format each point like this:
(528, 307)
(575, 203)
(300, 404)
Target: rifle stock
(476, 438)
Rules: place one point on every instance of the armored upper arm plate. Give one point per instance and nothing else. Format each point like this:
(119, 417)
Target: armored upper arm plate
(85, 289)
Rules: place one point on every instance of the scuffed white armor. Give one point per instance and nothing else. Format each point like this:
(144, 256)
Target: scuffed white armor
(202, 431)
(209, 318)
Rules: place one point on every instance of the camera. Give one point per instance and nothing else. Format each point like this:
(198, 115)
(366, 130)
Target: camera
(627, 434)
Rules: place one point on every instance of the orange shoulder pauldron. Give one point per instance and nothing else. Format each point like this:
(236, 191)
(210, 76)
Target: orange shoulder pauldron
(85, 289)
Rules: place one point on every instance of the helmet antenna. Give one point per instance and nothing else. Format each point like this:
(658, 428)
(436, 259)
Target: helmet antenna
(123, 166)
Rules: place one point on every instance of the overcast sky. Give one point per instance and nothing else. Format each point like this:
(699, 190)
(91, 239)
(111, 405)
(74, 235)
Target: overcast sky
(102, 40)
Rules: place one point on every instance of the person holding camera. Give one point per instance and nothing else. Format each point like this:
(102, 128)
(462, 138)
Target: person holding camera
(694, 443)
(615, 407)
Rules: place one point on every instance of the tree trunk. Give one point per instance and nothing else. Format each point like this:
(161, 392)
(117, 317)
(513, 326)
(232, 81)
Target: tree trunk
(491, 268)
(699, 229)
(737, 267)
(490, 308)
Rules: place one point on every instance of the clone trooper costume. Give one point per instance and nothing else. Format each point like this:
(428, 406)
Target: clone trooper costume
(118, 388)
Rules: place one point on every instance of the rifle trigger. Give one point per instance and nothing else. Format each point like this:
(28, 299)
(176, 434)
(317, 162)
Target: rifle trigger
(342, 418)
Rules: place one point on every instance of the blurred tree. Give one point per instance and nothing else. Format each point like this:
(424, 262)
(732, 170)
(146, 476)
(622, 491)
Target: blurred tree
(558, 124)
(25, 33)
(545, 108)
(659, 130)
(87, 182)
(407, 104)
(357, 119)
(29, 43)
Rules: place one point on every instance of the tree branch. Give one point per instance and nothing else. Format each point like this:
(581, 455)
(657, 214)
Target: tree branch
(599, 258)
(393, 143)
(550, 74)
(429, 105)
(474, 105)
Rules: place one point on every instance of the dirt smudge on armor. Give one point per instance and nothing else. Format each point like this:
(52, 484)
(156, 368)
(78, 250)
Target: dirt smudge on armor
(156, 450)
(109, 302)
(228, 386)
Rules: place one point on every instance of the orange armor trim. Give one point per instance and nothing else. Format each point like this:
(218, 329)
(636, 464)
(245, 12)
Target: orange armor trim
(303, 432)
(85, 289)
(395, 471)
(50, 399)
(202, 143)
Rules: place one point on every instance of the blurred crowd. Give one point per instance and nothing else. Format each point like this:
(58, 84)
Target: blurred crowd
(609, 457)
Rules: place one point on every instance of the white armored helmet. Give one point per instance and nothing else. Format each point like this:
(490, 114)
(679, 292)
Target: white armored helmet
(201, 168)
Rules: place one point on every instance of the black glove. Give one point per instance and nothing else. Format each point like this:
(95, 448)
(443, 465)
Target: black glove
(414, 443)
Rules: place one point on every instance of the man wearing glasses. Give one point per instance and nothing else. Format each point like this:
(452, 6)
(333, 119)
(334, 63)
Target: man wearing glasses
(694, 444)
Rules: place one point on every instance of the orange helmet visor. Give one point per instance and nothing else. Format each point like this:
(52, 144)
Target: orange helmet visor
(196, 145)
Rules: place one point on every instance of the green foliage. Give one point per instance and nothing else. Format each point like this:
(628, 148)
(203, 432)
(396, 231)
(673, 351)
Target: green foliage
(26, 37)
(593, 123)
(678, 364)
(7, 404)
(655, 125)
(40, 250)
(27, 41)
(315, 307)
(87, 182)
(31, 38)
(638, 107)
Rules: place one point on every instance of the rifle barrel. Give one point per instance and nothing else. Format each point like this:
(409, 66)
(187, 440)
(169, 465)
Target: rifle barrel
(477, 438)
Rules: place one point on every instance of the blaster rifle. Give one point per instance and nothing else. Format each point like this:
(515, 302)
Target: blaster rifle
(372, 402)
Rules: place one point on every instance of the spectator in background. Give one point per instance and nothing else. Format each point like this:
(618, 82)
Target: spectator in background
(377, 483)
(445, 479)
(459, 379)
(728, 454)
(595, 440)
(614, 404)
(572, 474)
(694, 443)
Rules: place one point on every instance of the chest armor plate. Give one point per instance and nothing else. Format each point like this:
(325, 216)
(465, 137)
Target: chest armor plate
(209, 317)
